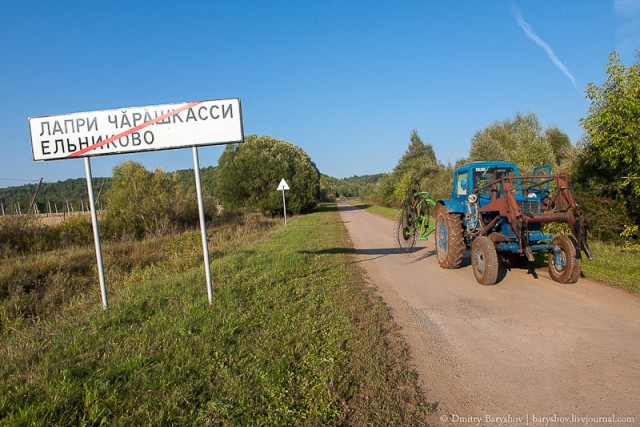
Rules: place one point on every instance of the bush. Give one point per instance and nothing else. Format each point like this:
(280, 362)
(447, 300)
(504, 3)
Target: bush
(75, 231)
(249, 173)
(139, 201)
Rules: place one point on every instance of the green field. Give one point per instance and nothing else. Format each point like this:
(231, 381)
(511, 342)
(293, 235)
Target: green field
(294, 336)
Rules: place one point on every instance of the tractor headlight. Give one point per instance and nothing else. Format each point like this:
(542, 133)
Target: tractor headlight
(472, 198)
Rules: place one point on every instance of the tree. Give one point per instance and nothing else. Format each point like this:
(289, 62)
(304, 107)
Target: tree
(610, 159)
(139, 201)
(523, 142)
(417, 168)
(418, 159)
(249, 173)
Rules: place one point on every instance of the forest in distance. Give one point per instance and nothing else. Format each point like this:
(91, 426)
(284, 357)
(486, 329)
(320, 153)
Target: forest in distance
(75, 189)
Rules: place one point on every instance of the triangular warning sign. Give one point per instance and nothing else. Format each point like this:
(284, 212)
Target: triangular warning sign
(283, 185)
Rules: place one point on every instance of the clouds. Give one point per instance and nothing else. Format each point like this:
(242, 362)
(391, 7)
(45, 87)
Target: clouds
(627, 8)
(528, 31)
(628, 30)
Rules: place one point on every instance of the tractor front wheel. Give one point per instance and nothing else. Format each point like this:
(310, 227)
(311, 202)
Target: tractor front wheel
(484, 260)
(449, 238)
(564, 262)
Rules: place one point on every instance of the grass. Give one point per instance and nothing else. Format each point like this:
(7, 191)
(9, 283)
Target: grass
(293, 337)
(616, 265)
(34, 285)
(613, 264)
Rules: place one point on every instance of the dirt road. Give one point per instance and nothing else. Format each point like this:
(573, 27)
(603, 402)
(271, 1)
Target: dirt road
(513, 353)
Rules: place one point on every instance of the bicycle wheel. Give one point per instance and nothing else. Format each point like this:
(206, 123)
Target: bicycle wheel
(405, 230)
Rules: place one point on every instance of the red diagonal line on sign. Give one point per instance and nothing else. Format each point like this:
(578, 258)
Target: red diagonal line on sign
(134, 129)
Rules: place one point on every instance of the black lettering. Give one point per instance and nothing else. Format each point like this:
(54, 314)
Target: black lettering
(66, 127)
(71, 148)
(150, 139)
(201, 115)
(57, 128)
(227, 112)
(191, 115)
(83, 144)
(45, 147)
(59, 145)
(93, 123)
(125, 118)
(42, 125)
(135, 137)
(126, 141)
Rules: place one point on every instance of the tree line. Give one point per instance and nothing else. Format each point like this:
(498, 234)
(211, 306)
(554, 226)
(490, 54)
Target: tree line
(603, 167)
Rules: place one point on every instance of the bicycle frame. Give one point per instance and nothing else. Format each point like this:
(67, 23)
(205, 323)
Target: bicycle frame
(422, 231)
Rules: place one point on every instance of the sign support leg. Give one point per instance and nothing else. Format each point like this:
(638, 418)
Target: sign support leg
(284, 204)
(203, 226)
(96, 233)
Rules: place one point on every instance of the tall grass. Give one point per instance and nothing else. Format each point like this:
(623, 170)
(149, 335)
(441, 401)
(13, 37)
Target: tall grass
(614, 264)
(35, 284)
(293, 337)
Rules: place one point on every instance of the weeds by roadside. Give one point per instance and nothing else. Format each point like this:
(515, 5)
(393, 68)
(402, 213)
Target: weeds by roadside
(292, 337)
(33, 286)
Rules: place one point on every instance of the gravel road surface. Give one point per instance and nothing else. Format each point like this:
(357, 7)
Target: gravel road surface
(527, 351)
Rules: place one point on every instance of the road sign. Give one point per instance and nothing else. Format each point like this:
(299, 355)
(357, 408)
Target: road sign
(283, 185)
(159, 127)
(129, 130)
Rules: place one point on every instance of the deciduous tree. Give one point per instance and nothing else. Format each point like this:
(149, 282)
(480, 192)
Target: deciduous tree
(249, 173)
(521, 141)
(139, 201)
(611, 156)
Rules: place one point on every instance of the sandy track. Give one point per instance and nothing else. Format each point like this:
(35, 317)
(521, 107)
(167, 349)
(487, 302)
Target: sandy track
(524, 349)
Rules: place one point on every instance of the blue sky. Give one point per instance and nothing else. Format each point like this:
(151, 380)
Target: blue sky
(345, 80)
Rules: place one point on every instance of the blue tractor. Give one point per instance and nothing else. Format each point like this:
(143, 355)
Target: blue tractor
(500, 215)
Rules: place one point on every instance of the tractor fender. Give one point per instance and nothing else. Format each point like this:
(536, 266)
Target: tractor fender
(452, 206)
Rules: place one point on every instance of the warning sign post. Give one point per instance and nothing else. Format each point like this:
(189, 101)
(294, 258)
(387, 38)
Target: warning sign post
(282, 187)
(130, 130)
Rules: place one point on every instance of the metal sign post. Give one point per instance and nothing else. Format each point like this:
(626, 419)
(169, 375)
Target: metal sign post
(284, 186)
(96, 233)
(203, 226)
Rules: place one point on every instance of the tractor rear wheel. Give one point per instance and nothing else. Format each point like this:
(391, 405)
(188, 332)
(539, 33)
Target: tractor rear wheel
(449, 238)
(564, 262)
(484, 260)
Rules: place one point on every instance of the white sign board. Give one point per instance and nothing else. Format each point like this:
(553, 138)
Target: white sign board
(158, 127)
(283, 185)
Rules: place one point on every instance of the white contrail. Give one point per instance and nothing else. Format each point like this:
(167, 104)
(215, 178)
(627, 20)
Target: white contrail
(537, 40)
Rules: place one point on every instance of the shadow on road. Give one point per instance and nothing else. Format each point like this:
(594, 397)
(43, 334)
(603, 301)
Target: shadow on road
(424, 255)
(375, 252)
(331, 207)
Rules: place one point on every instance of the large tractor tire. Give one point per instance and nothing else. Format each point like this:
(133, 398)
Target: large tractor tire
(449, 238)
(484, 260)
(565, 264)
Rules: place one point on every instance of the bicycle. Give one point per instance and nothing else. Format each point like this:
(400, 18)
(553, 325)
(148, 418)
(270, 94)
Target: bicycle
(414, 220)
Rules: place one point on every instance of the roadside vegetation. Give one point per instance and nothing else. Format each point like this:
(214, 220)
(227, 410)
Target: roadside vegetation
(293, 337)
